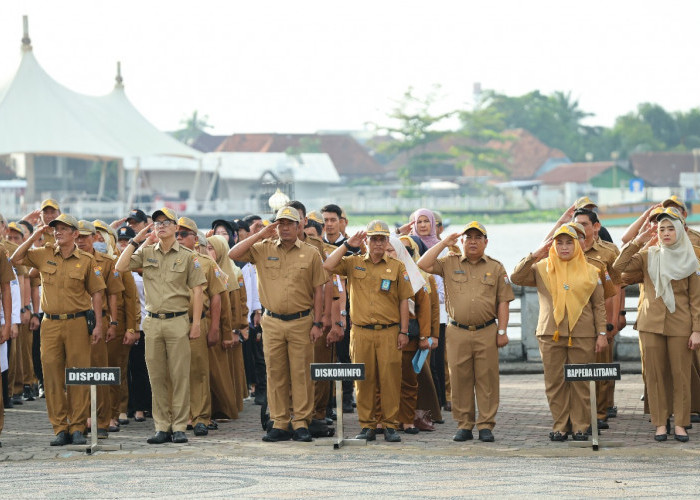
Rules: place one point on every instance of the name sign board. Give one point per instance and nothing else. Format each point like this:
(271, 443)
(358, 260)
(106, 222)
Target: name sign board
(592, 371)
(93, 376)
(337, 371)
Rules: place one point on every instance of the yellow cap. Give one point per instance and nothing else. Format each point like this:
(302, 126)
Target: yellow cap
(584, 202)
(655, 213)
(66, 219)
(674, 200)
(378, 227)
(438, 218)
(86, 228)
(672, 213)
(17, 227)
(289, 213)
(578, 228)
(168, 212)
(314, 216)
(566, 229)
(475, 225)
(187, 223)
(49, 203)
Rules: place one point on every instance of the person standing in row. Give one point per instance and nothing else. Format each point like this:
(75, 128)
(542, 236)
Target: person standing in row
(379, 288)
(170, 271)
(68, 282)
(291, 279)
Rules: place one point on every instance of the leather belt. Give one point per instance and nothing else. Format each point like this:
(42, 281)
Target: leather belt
(473, 328)
(376, 327)
(66, 316)
(165, 315)
(288, 317)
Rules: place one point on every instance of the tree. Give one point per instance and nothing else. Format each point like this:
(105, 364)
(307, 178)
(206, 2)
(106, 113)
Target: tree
(194, 127)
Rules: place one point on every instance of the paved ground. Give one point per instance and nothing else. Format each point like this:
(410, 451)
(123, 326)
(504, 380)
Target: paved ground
(234, 462)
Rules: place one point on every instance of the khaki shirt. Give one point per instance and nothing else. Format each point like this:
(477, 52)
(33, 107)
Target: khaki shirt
(606, 252)
(473, 291)
(286, 278)
(66, 284)
(592, 320)
(49, 238)
(11, 247)
(318, 244)
(6, 274)
(609, 289)
(214, 285)
(653, 314)
(694, 237)
(167, 277)
(104, 266)
(369, 304)
(128, 304)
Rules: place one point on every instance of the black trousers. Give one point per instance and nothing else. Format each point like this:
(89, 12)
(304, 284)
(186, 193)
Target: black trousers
(249, 355)
(256, 340)
(36, 352)
(437, 366)
(137, 377)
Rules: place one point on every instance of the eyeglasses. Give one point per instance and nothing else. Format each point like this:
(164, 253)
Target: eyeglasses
(184, 234)
(477, 237)
(163, 223)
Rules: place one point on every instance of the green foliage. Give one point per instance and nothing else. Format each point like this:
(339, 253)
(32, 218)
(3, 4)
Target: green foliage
(194, 127)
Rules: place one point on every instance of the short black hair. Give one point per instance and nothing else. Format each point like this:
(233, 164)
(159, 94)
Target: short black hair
(242, 225)
(251, 218)
(592, 216)
(299, 206)
(334, 209)
(26, 224)
(318, 227)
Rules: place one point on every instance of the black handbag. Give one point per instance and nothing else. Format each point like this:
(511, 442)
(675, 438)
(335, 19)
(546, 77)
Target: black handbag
(413, 329)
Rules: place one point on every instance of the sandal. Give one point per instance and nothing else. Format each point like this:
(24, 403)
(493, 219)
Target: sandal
(557, 436)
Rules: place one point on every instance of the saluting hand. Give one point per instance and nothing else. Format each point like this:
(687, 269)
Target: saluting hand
(543, 251)
(357, 239)
(406, 228)
(646, 233)
(117, 223)
(451, 239)
(144, 234)
(33, 217)
(269, 231)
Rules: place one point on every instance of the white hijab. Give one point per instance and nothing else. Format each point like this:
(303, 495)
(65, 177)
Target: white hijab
(672, 262)
(417, 280)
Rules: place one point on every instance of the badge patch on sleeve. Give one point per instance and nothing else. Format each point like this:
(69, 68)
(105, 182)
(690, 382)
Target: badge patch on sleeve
(386, 285)
(505, 278)
(116, 273)
(197, 265)
(405, 276)
(98, 270)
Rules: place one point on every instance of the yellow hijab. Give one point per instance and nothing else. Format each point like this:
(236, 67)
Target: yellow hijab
(570, 283)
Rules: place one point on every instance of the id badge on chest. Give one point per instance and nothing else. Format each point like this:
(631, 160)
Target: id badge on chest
(385, 286)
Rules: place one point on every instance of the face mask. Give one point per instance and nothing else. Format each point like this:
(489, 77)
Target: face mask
(100, 246)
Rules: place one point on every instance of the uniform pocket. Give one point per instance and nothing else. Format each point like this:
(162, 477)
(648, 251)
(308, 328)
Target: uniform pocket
(272, 269)
(489, 280)
(48, 275)
(76, 281)
(177, 271)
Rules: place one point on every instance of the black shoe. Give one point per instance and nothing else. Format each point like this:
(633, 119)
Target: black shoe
(688, 427)
(179, 437)
(61, 439)
(200, 429)
(391, 435)
(589, 431)
(411, 430)
(332, 414)
(347, 407)
(160, 437)
(439, 421)
(448, 406)
(35, 390)
(611, 412)
(660, 437)
(102, 433)
(17, 399)
(302, 434)
(189, 427)
(580, 436)
(695, 418)
(28, 394)
(463, 435)
(260, 399)
(367, 434)
(123, 421)
(78, 438)
(7, 403)
(275, 435)
(602, 424)
(379, 430)
(558, 436)
(681, 438)
(486, 436)
(212, 426)
(112, 428)
(328, 421)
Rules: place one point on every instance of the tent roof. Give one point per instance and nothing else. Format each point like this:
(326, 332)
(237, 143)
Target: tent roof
(306, 167)
(39, 115)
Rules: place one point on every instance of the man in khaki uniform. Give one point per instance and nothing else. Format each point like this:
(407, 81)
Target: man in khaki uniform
(6, 276)
(68, 280)
(290, 282)
(200, 392)
(169, 272)
(477, 293)
(379, 289)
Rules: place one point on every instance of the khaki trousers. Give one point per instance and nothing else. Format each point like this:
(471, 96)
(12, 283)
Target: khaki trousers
(605, 389)
(322, 388)
(663, 354)
(377, 350)
(288, 353)
(27, 337)
(14, 370)
(100, 359)
(448, 387)
(222, 387)
(200, 393)
(238, 374)
(569, 402)
(473, 361)
(118, 357)
(65, 343)
(695, 383)
(409, 389)
(168, 362)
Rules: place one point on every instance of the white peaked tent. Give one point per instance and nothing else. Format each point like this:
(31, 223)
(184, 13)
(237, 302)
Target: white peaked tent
(40, 116)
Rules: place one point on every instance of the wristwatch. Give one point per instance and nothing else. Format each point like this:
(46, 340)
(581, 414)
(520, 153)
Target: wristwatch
(403, 333)
(422, 338)
(501, 332)
(350, 247)
(340, 324)
(603, 333)
(113, 323)
(135, 243)
(609, 327)
(318, 324)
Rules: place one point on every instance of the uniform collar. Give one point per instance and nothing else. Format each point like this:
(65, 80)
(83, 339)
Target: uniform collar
(57, 250)
(464, 257)
(176, 246)
(384, 258)
(297, 243)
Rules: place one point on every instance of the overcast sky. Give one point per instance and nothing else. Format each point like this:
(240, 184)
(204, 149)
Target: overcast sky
(301, 66)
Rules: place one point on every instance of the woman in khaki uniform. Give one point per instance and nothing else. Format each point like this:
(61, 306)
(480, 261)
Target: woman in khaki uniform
(669, 316)
(571, 305)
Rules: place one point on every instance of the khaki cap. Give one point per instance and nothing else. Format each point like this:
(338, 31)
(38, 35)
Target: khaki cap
(343, 214)
(438, 217)
(314, 216)
(187, 223)
(584, 202)
(566, 229)
(655, 213)
(168, 212)
(101, 225)
(49, 203)
(289, 213)
(201, 238)
(672, 213)
(86, 228)
(17, 227)
(378, 227)
(578, 228)
(674, 200)
(475, 225)
(66, 219)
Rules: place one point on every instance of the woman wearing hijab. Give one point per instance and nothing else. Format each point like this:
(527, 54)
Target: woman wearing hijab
(669, 316)
(224, 400)
(571, 325)
(424, 227)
